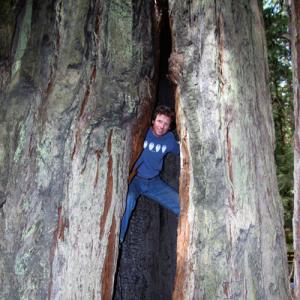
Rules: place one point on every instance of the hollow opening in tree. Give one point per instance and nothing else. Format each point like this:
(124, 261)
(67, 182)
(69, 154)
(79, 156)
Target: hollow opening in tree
(147, 261)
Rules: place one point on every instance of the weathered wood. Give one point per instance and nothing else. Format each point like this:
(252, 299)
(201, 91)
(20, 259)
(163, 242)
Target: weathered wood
(295, 46)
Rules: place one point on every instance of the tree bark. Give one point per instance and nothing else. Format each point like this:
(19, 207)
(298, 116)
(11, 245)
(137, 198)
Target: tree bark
(230, 239)
(295, 46)
(72, 114)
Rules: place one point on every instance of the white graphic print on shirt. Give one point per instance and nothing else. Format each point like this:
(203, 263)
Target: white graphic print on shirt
(155, 148)
(151, 146)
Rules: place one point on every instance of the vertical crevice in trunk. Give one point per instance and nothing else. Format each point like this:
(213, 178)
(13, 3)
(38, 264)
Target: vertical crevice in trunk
(147, 261)
(165, 87)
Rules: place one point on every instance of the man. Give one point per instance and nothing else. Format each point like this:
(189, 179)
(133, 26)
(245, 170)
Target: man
(158, 143)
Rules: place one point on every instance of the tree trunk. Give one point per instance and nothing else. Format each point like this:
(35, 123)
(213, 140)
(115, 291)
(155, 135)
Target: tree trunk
(230, 239)
(76, 99)
(73, 112)
(295, 46)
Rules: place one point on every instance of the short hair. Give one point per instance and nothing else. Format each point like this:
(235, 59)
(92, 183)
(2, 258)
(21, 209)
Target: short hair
(164, 110)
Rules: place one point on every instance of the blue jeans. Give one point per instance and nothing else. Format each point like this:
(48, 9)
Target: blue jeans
(153, 188)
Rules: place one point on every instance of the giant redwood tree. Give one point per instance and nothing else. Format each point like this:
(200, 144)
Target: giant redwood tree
(78, 85)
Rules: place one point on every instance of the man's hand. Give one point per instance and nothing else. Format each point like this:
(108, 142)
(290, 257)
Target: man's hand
(132, 174)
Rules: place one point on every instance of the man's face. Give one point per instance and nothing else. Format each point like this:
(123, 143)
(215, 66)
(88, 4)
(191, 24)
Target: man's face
(161, 125)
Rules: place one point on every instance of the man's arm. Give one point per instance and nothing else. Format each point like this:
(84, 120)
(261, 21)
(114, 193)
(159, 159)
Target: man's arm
(134, 169)
(176, 147)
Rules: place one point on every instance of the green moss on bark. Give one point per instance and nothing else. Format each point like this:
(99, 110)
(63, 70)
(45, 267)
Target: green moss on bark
(23, 37)
(120, 34)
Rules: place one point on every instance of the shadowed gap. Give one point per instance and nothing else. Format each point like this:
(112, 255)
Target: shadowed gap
(165, 89)
(147, 261)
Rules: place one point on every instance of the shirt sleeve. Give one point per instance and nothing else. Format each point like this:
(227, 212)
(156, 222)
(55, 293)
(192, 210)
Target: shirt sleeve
(176, 147)
(138, 163)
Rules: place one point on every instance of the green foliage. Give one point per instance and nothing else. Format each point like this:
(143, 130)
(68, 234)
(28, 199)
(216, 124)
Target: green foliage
(6, 27)
(5, 11)
(276, 20)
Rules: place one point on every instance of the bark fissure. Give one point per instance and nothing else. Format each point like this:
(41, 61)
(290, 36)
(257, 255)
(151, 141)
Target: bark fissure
(220, 35)
(109, 187)
(109, 264)
(57, 235)
(98, 154)
(53, 64)
(87, 92)
(229, 160)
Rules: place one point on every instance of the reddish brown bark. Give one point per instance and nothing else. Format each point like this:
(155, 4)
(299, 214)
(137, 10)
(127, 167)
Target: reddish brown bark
(183, 239)
(109, 264)
(98, 154)
(57, 235)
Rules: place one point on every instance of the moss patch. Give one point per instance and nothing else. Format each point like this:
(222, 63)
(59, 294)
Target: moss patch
(21, 142)
(23, 37)
(120, 34)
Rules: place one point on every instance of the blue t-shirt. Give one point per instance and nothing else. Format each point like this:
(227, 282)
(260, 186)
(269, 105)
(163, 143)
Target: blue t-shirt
(156, 148)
